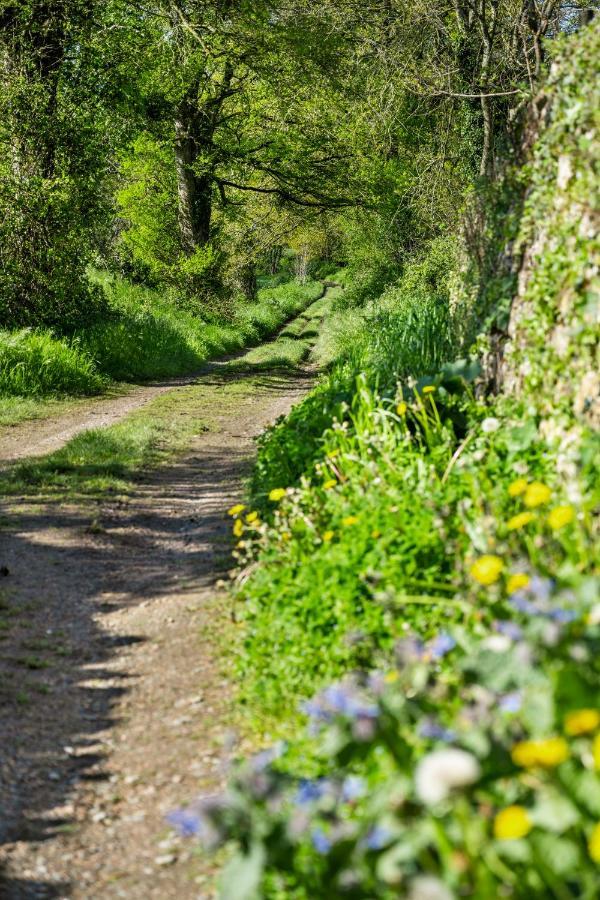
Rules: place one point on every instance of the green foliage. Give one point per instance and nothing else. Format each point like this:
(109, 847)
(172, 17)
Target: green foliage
(145, 336)
(409, 332)
(37, 364)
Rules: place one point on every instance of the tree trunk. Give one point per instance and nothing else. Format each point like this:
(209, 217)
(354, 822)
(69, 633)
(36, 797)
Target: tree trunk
(193, 191)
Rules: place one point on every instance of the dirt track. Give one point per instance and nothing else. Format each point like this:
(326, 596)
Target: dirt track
(112, 707)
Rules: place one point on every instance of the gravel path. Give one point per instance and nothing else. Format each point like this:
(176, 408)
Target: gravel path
(113, 707)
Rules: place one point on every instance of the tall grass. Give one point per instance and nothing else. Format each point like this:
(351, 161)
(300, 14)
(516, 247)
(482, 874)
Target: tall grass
(145, 336)
(36, 364)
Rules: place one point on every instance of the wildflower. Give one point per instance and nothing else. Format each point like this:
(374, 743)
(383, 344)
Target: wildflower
(486, 570)
(594, 843)
(331, 483)
(350, 520)
(510, 629)
(563, 616)
(321, 842)
(560, 516)
(436, 732)
(511, 703)
(238, 528)
(277, 494)
(377, 838)
(251, 517)
(537, 494)
(582, 721)
(187, 822)
(328, 536)
(353, 788)
(441, 645)
(428, 887)
(517, 581)
(517, 488)
(520, 520)
(428, 389)
(308, 791)
(401, 408)
(546, 753)
(236, 510)
(596, 752)
(440, 771)
(512, 823)
(489, 425)
(523, 605)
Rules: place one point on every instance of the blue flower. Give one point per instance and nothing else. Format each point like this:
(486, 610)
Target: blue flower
(308, 791)
(441, 645)
(353, 788)
(510, 629)
(563, 616)
(511, 703)
(522, 604)
(320, 841)
(434, 731)
(540, 588)
(377, 838)
(187, 822)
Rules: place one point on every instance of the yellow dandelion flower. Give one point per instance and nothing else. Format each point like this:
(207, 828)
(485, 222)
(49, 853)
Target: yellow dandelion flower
(238, 528)
(596, 752)
(582, 721)
(516, 582)
(560, 516)
(429, 389)
(594, 843)
(520, 521)
(277, 494)
(537, 494)
(546, 753)
(328, 485)
(517, 488)
(487, 569)
(252, 517)
(349, 520)
(236, 510)
(401, 408)
(512, 823)
(328, 537)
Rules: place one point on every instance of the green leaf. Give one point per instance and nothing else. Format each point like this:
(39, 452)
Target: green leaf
(242, 877)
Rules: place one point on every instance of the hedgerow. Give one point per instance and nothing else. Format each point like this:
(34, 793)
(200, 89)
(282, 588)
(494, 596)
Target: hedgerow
(418, 579)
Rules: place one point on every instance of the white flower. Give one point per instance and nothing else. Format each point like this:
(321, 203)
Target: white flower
(440, 771)
(428, 887)
(490, 425)
(497, 643)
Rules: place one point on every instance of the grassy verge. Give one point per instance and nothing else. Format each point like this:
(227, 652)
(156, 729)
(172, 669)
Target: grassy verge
(145, 337)
(104, 460)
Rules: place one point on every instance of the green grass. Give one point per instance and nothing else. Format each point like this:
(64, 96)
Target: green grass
(145, 337)
(104, 460)
(38, 364)
(294, 343)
